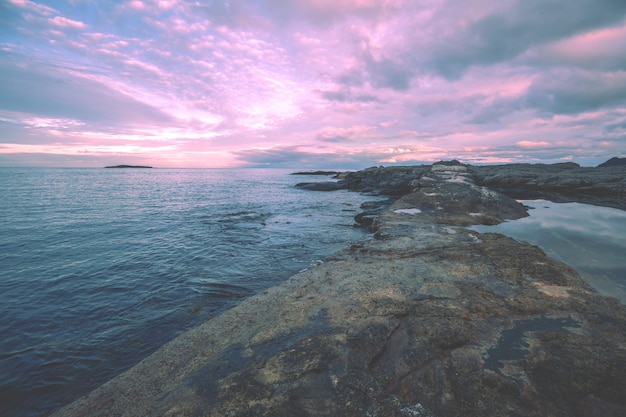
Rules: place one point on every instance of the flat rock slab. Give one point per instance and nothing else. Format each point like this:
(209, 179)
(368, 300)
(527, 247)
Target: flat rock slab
(430, 319)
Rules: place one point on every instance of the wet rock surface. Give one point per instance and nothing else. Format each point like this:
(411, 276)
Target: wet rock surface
(567, 182)
(427, 319)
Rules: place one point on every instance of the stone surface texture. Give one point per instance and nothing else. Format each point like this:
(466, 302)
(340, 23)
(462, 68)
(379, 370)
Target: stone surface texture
(429, 318)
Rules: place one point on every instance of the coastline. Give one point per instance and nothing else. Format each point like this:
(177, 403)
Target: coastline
(428, 319)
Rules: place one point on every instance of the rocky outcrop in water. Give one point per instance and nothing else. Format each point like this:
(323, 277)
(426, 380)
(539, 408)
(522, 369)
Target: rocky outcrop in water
(392, 181)
(428, 319)
(565, 182)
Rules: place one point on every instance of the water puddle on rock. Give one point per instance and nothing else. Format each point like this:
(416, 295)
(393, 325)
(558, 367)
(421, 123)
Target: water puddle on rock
(591, 239)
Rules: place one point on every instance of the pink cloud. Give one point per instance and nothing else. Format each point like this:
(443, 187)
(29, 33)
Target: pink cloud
(64, 22)
(33, 7)
(166, 4)
(136, 4)
(334, 134)
(388, 123)
(602, 48)
(528, 144)
(379, 81)
(145, 66)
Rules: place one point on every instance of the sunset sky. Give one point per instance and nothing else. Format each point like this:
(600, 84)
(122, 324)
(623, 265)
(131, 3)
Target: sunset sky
(311, 83)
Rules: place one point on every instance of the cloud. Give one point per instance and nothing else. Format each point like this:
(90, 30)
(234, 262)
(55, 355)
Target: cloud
(329, 82)
(64, 22)
(600, 49)
(324, 12)
(529, 144)
(572, 91)
(337, 135)
(505, 33)
(347, 95)
(52, 91)
(388, 73)
(232, 14)
(305, 158)
(293, 156)
(616, 127)
(490, 109)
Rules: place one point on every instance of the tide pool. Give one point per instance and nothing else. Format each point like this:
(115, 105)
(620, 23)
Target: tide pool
(589, 238)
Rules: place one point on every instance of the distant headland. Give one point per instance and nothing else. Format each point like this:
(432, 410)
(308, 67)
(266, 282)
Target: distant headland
(129, 166)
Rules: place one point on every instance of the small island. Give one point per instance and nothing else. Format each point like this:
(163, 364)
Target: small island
(129, 166)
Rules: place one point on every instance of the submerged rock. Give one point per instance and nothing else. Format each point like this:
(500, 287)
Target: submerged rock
(429, 319)
(322, 186)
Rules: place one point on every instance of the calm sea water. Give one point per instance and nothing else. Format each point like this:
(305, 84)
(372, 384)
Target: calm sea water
(100, 267)
(589, 238)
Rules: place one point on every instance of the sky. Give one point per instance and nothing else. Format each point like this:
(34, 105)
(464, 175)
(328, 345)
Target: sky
(311, 83)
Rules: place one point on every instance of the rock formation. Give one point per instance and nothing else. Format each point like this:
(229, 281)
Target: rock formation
(427, 319)
(563, 182)
(613, 162)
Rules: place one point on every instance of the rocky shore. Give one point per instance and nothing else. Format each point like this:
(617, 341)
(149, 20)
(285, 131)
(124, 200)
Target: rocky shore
(427, 319)
(564, 182)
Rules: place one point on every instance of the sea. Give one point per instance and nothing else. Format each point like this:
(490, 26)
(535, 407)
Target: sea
(101, 267)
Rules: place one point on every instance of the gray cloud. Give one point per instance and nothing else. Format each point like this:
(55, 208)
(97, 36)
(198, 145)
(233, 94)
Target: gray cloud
(292, 157)
(234, 13)
(347, 95)
(322, 14)
(504, 35)
(389, 73)
(495, 110)
(571, 92)
(603, 56)
(448, 49)
(353, 78)
(45, 90)
(333, 138)
(394, 73)
(613, 127)
(335, 95)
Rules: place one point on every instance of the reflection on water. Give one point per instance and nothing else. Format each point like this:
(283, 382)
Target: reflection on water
(589, 238)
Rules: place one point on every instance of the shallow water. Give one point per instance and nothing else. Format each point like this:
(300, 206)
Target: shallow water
(589, 238)
(100, 267)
